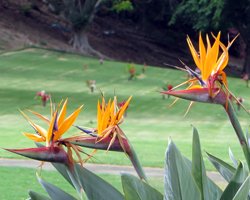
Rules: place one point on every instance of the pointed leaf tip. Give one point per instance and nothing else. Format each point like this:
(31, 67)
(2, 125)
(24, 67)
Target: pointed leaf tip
(48, 154)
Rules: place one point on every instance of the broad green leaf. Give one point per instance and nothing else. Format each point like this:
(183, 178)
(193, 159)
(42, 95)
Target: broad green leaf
(95, 187)
(243, 191)
(231, 155)
(36, 196)
(136, 163)
(199, 171)
(213, 188)
(226, 170)
(178, 181)
(215, 191)
(235, 183)
(54, 192)
(62, 169)
(136, 189)
(70, 176)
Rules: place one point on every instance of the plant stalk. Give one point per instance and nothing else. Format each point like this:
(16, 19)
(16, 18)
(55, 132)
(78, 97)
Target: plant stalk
(238, 130)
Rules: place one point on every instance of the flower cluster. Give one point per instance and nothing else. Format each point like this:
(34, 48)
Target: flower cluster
(106, 136)
(211, 84)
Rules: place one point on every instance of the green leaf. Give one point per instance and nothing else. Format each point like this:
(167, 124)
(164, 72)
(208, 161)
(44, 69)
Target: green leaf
(70, 176)
(54, 192)
(136, 189)
(231, 155)
(226, 170)
(214, 189)
(199, 172)
(212, 186)
(179, 183)
(36, 196)
(136, 163)
(95, 187)
(236, 182)
(243, 191)
(62, 169)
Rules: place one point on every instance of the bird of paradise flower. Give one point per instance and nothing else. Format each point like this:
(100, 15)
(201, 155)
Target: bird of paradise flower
(57, 126)
(108, 135)
(211, 84)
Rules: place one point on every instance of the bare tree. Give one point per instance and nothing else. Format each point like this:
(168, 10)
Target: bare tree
(79, 14)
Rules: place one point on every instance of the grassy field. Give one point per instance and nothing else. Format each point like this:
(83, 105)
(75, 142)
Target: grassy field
(21, 180)
(149, 124)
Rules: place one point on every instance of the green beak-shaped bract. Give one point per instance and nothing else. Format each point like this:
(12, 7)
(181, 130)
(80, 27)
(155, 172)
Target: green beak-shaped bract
(200, 95)
(92, 142)
(48, 154)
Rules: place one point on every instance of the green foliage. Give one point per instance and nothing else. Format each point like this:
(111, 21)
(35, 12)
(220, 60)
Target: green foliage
(207, 189)
(199, 14)
(122, 5)
(36, 196)
(79, 13)
(243, 191)
(179, 182)
(177, 169)
(136, 189)
(235, 183)
(54, 192)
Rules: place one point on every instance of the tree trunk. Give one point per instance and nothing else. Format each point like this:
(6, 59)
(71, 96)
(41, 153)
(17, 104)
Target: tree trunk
(80, 43)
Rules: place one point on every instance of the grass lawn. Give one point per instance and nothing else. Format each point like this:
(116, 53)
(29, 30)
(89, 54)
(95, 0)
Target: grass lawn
(16, 182)
(149, 124)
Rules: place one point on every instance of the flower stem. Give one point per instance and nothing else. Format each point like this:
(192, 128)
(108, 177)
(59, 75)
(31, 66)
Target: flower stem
(238, 130)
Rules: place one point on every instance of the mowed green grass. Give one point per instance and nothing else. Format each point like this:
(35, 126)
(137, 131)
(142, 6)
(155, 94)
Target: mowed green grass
(16, 182)
(149, 124)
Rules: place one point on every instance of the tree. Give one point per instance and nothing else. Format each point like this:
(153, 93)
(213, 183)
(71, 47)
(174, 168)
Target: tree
(237, 14)
(151, 12)
(200, 15)
(206, 15)
(79, 14)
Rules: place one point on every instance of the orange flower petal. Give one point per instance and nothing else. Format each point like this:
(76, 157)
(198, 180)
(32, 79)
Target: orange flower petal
(67, 123)
(62, 114)
(34, 137)
(194, 53)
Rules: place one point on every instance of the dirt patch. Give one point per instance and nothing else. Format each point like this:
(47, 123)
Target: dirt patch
(116, 39)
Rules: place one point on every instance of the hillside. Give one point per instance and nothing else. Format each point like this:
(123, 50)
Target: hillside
(22, 26)
(119, 40)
